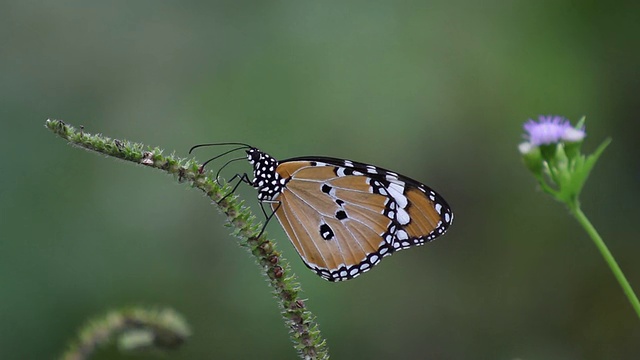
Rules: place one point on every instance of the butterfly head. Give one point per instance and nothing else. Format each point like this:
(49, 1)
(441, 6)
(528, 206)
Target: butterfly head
(265, 177)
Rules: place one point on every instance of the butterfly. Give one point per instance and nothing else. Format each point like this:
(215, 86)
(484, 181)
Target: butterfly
(344, 216)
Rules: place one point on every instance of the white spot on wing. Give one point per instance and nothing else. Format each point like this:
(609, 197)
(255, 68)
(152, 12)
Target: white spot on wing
(403, 217)
(396, 191)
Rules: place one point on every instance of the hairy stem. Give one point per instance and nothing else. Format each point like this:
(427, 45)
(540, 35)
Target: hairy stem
(304, 330)
(136, 329)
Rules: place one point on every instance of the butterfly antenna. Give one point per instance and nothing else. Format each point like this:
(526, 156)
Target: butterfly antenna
(225, 165)
(217, 144)
(219, 156)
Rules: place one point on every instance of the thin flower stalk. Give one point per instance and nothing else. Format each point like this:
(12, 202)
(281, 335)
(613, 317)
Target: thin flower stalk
(552, 153)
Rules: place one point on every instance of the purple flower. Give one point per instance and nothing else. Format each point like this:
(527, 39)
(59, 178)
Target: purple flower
(551, 130)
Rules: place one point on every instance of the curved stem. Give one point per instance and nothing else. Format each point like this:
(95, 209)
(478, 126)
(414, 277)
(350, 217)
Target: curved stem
(304, 332)
(608, 257)
(162, 329)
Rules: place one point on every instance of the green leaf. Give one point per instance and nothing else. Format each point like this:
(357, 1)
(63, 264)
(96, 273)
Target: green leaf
(584, 167)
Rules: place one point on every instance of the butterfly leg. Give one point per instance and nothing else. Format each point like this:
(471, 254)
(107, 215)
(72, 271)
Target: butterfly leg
(242, 178)
(267, 217)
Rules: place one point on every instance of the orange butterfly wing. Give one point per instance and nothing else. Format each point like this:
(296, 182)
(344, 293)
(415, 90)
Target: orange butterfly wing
(342, 219)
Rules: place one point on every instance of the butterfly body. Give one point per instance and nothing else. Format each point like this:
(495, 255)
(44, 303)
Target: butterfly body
(343, 216)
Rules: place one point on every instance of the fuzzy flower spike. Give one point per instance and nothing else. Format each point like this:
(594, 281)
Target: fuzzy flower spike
(552, 153)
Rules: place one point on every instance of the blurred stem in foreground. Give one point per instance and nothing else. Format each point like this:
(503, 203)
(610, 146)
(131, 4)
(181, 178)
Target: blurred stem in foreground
(135, 329)
(303, 329)
(553, 155)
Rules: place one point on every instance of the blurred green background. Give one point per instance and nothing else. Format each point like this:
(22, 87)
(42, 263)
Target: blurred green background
(435, 90)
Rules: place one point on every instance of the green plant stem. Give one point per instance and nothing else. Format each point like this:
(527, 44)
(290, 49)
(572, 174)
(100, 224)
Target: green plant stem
(304, 332)
(606, 254)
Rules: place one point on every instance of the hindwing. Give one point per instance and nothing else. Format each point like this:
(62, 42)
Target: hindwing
(343, 217)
